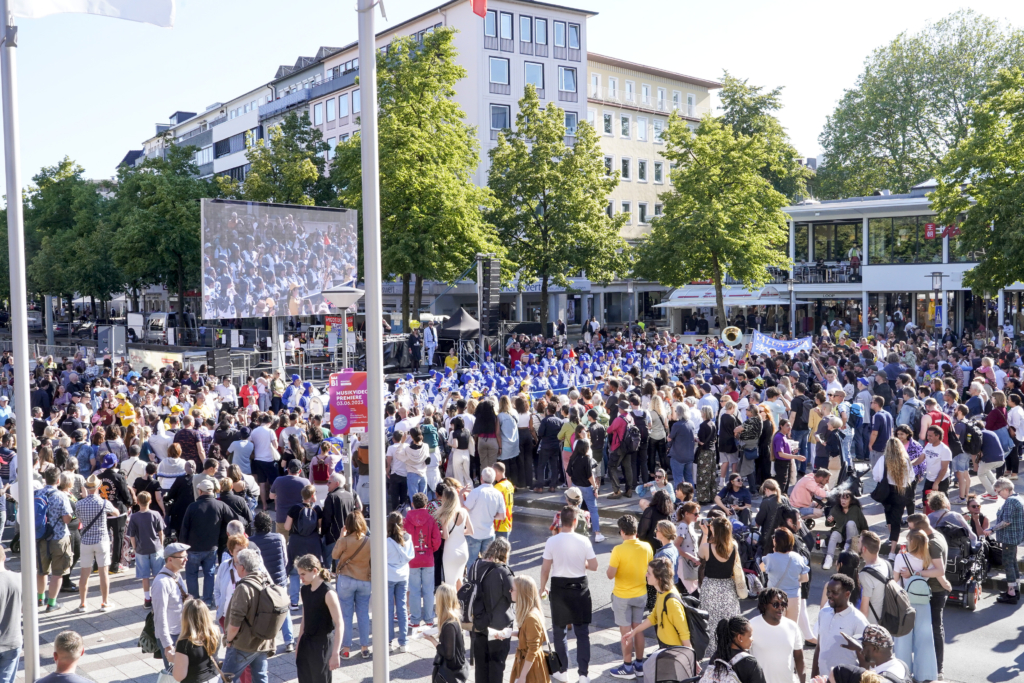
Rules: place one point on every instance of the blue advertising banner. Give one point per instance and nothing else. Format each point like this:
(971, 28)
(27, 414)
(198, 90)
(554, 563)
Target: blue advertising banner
(762, 344)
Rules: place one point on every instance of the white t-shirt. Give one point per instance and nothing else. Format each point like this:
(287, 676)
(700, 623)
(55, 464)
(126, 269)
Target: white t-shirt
(240, 452)
(568, 553)
(831, 626)
(773, 648)
(934, 456)
(282, 441)
(263, 440)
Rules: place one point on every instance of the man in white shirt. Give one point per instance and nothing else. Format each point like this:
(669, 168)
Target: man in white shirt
(227, 393)
(835, 619)
(567, 558)
(485, 504)
(264, 443)
(937, 461)
(430, 343)
(777, 645)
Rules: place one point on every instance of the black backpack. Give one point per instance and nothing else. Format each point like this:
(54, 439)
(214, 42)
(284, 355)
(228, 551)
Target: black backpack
(631, 438)
(973, 437)
(696, 620)
(470, 599)
(805, 410)
(305, 523)
(641, 424)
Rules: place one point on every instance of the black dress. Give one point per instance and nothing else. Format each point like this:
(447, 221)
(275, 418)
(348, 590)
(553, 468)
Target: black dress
(312, 660)
(200, 666)
(451, 654)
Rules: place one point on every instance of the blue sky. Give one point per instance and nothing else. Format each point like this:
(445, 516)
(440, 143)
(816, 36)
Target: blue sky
(92, 88)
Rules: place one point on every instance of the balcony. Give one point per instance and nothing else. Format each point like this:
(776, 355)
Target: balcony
(691, 111)
(564, 96)
(334, 84)
(282, 105)
(827, 273)
(561, 53)
(501, 89)
(662, 105)
(777, 276)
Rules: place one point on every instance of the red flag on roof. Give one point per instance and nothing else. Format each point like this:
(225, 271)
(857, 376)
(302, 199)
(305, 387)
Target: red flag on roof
(479, 7)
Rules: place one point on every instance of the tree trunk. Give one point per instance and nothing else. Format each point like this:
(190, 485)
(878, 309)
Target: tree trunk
(181, 291)
(405, 302)
(417, 298)
(719, 300)
(92, 306)
(544, 305)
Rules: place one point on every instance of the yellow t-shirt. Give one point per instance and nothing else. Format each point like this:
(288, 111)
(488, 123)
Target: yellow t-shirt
(673, 630)
(451, 362)
(506, 489)
(630, 558)
(125, 412)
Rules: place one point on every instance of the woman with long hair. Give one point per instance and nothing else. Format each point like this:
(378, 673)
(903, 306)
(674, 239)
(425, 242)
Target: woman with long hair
(707, 439)
(197, 645)
(661, 508)
(894, 468)
(315, 654)
(450, 660)
(527, 440)
(530, 664)
(719, 594)
(657, 444)
(731, 640)
(485, 434)
(768, 517)
(353, 555)
(400, 552)
(455, 525)
(508, 436)
(847, 521)
(917, 648)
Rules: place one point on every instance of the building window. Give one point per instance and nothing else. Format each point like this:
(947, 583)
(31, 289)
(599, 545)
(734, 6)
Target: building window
(659, 127)
(357, 102)
(645, 93)
(675, 99)
(574, 36)
(571, 122)
(630, 91)
(506, 26)
(836, 241)
(491, 24)
(607, 124)
(331, 144)
(541, 31)
(501, 116)
(627, 208)
(641, 170)
(318, 114)
(641, 128)
(641, 209)
(567, 79)
(625, 167)
(343, 106)
(525, 29)
(592, 118)
(595, 85)
(691, 105)
(613, 88)
(801, 246)
(204, 155)
(331, 109)
(659, 171)
(894, 240)
(657, 210)
(608, 162)
(535, 75)
(624, 126)
(610, 210)
(499, 70)
(661, 99)
(344, 137)
(559, 34)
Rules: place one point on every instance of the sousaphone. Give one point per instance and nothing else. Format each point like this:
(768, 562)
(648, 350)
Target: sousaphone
(732, 336)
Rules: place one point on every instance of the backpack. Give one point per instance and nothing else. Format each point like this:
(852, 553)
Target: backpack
(942, 421)
(898, 614)
(856, 418)
(955, 447)
(319, 470)
(269, 609)
(41, 504)
(305, 523)
(915, 417)
(697, 621)
(973, 437)
(726, 675)
(631, 437)
(641, 425)
(467, 595)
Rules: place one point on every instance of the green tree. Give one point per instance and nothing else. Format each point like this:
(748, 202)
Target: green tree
(288, 166)
(431, 221)
(551, 200)
(749, 109)
(158, 217)
(50, 227)
(912, 104)
(980, 188)
(721, 217)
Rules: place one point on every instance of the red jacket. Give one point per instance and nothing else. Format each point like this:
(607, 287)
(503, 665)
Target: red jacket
(617, 430)
(426, 537)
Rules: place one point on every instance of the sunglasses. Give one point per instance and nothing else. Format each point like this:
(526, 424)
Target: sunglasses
(778, 604)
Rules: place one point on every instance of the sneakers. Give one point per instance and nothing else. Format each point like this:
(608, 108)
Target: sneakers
(599, 538)
(623, 671)
(559, 676)
(104, 607)
(402, 649)
(638, 667)
(614, 495)
(584, 679)
(148, 604)
(827, 564)
(81, 609)
(989, 497)
(295, 607)
(53, 608)
(365, 654)
(290, 647)
(1007, 599)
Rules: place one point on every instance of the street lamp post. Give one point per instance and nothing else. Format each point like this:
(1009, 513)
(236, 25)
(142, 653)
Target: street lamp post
(940, 314)
(792, 307)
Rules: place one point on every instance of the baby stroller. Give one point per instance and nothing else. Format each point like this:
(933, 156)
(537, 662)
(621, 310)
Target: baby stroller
(671, 665)
(747, 542)
(966, 567)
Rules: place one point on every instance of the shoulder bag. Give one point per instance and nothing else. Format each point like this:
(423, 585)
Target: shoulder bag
(342, 565)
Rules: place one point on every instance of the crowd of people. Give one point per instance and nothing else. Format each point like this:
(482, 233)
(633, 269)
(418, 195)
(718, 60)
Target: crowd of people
(231, 506)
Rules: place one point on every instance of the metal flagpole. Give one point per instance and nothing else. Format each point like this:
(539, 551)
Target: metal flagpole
(19, 339)
(374, 337)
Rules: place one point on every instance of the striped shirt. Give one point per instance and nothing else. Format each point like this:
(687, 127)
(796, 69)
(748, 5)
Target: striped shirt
(87, 510)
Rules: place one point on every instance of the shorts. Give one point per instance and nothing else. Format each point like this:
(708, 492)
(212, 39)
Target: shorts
(265, 472)
(98, 553)
(146, 566)
(628, 611)
(962, 463)
(730, 458)
(55, 556)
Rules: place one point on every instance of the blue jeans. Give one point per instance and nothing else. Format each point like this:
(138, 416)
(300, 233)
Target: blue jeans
(591, 502)
(9, 660)
(235, 662)
(354, 596)
(477, 546)
(800, 436)
(293, 586)
(207, 561)
(680, 472)
(286, 631)
(415, 484)
(398, 616)
(421, 590)
(917, 648)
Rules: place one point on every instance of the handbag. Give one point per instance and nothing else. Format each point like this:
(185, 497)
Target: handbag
(166, 676)
(147, 639)
(883, 489)
(552, 659)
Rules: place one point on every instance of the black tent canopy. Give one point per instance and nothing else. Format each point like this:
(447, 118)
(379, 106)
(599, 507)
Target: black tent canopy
(460, 326)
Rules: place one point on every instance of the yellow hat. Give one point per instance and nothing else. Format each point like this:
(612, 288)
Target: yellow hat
(120, 396)
(177, 409)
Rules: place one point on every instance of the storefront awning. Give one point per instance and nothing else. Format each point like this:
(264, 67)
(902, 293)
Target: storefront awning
(700, 296)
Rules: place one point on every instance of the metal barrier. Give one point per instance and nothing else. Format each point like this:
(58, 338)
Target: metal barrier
(37, 351)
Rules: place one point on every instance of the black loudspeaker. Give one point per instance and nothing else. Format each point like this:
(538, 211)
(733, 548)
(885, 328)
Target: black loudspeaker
(490, 288)
(218, 362)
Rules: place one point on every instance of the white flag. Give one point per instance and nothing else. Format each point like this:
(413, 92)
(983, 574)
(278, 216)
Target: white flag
(157, 12)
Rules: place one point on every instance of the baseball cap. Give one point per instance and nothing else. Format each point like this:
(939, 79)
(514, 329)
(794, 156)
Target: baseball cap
(174, 549)
(110, 460)
(206, 485)
(119, 395)
(877, 636)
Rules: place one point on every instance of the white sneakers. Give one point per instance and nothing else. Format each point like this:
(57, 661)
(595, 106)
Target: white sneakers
(599, 538)
(827, 564)
(584, 679)
(559, 676)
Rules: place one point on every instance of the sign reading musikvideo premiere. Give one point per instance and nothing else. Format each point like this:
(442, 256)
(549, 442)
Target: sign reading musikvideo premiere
(348, 402)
